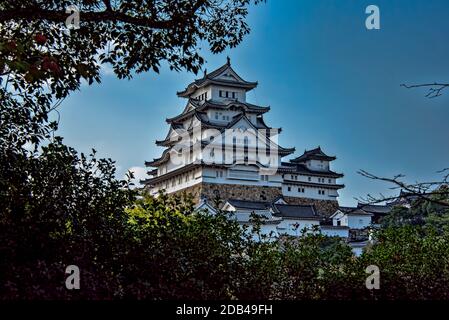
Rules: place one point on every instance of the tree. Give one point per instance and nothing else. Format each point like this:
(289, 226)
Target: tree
(412, 263)
(41, 61)
(133, 36)
(58, 207)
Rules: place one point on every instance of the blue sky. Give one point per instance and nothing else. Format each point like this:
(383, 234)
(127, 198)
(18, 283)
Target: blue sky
(329, 82)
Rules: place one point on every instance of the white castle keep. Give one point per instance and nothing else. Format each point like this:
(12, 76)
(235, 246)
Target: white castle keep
(219, 146)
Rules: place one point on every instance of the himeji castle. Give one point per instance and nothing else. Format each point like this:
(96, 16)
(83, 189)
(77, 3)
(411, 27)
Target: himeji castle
(220, 146)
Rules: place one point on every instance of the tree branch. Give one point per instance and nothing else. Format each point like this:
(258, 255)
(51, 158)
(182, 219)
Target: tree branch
(435, 89)
(419, 190)
(36, 13)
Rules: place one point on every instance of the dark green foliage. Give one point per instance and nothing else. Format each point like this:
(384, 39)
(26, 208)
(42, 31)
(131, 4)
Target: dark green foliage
(163, 249)
(413, 262)
(57, 209)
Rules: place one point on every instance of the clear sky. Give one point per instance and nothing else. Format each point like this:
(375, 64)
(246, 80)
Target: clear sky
(329, 82)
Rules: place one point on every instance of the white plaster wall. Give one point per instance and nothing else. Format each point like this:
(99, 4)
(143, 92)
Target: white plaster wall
(343, 219)
(193, 177)
(229, 113)
(200, 91)
(210, 176)
(359, 221)
(240, 94)
(309, 192)
(318, 165)
(307, 178)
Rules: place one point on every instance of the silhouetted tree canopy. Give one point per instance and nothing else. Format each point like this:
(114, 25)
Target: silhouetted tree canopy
(59, 207)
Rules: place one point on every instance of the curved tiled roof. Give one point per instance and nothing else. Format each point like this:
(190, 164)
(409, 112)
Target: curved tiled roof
(299, 168)
(206, 123)
(219, 105)
(280, 210)
(375, 208)
(211, 78)
(249, 205)
(296, 211)
(316, 154)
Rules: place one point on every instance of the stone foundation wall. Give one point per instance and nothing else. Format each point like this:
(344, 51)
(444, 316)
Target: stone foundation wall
(230, 191)
(254, 193)
(324, 208)
(194, 191)
(240, 192)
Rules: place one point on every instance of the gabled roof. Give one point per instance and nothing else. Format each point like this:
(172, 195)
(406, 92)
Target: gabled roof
(216, 77)
(242, 116)
(205, 205)
(280, 210)
(296, 211)
(299, 168)
(351, 211)
(172, 173)
(206, 123)
(314, 154)
(249, 205)
(168, 141)
(195, 106)
(279, 198)
(375, 208)
(157, 161)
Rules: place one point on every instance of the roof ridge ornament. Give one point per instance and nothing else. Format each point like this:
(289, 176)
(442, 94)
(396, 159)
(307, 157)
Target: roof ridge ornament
(228, 62)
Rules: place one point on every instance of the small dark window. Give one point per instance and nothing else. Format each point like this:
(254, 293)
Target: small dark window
(299, 189)
(289, 189)
(227, 94)
(220, 93)
(233, 95)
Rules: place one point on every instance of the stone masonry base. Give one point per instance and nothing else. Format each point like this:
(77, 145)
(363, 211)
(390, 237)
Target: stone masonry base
(254, 193)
